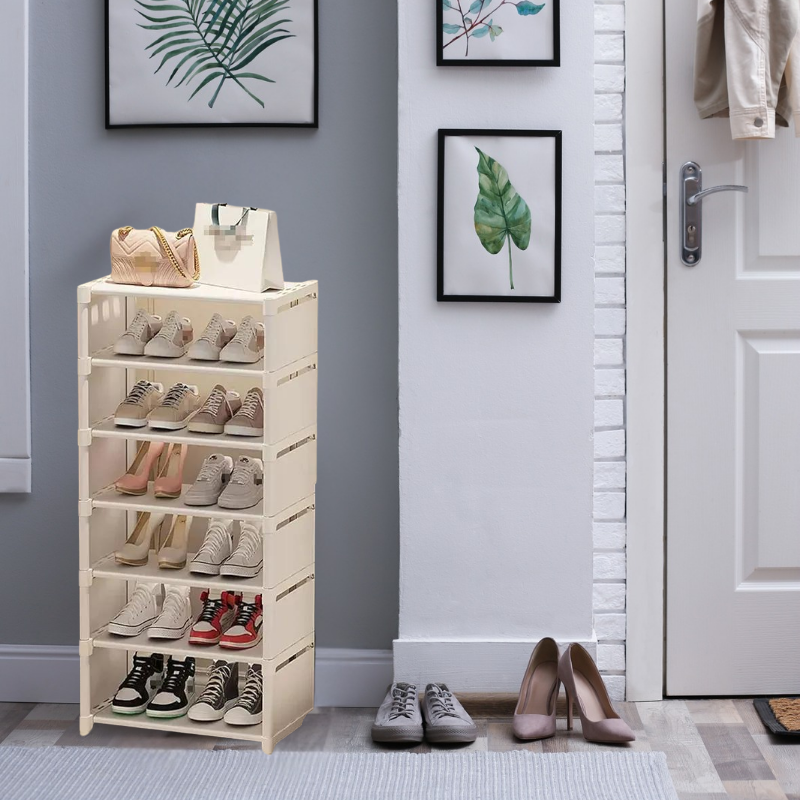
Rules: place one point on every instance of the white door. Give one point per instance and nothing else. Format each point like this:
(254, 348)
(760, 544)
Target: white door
(733, 403)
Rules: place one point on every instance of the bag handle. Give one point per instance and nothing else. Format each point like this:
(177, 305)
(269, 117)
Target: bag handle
(159, 234)
(242, 219)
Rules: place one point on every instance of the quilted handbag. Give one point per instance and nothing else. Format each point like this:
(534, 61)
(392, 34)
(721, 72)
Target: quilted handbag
(154, 257)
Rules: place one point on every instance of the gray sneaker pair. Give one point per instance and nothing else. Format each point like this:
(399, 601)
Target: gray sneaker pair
(440, 718)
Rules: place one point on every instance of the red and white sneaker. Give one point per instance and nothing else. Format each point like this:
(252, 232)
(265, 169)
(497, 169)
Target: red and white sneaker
(217, 616)
(246, 631)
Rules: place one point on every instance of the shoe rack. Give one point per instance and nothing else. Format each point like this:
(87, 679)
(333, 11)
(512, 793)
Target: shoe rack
(288, 377)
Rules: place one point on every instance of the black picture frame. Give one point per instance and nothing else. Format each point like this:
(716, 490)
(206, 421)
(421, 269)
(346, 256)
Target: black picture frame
(443, 134)
(555, 61)
(313, 124)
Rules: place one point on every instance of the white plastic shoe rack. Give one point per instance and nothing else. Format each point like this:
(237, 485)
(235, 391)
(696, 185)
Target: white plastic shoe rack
(288, 376)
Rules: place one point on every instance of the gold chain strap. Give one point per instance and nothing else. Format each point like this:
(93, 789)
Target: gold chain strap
(172, 257)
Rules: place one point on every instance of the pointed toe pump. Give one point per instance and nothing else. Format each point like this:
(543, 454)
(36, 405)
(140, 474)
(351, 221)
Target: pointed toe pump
(586, 691)
(169, 482)
(535, 714)
(136, 549)
(172, 554)
(143, 468)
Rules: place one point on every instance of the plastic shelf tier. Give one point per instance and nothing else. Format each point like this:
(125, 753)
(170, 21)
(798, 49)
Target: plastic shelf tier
(287, 376)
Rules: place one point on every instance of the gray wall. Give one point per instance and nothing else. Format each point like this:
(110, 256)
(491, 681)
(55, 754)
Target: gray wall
(335, 194)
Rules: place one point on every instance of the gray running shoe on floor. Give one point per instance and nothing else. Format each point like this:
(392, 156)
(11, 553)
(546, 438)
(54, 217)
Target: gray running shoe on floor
(446, 721)
(399, 719)
(210, 481)
(245, 488)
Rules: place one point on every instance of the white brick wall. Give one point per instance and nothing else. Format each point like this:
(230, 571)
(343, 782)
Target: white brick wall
(609, 346)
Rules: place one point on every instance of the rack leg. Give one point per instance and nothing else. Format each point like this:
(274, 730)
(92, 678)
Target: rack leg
(85, 725)
(266, 746)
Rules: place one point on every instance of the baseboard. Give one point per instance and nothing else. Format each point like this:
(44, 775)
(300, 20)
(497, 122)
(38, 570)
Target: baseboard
(467, 666)
(38, 674)
(15, 475)
(49, 674)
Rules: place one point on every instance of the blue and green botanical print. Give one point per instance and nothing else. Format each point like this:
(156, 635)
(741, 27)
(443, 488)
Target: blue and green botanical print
(465, 20)
(212, 42)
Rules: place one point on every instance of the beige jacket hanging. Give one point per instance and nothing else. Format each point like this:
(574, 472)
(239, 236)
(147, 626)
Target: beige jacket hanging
(747, 64)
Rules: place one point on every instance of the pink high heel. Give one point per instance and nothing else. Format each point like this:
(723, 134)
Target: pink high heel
(169, 482)
(142, 468)
(535, 714)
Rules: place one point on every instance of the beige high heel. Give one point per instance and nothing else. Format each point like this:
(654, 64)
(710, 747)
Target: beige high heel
(172, 554)
(586, 690)
(169, 482)
(136, 550)
(535, 714)
(143, 468)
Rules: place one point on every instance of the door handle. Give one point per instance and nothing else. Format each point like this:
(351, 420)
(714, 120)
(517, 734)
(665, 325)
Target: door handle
(691, 217)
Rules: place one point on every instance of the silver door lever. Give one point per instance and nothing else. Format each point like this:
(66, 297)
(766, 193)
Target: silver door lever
(691, 216)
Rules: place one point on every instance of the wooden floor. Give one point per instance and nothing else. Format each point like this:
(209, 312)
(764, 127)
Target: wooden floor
(715, 748)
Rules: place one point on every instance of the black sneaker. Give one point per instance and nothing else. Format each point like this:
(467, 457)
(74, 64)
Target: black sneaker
(176, 692)
(247, 710)
(136, 691)
(221, 692)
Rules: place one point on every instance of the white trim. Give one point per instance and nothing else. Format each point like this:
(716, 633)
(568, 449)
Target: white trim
(644, 132)
(32, 673)
(351, 678)
(466, 666)
(50, 674)
(15, 417)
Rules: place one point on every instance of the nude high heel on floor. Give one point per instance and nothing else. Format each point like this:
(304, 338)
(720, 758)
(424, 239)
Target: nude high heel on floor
(143, 467)
(136, 550)
(586, 690)
(535, 714)
(169, 482)
(172, 554)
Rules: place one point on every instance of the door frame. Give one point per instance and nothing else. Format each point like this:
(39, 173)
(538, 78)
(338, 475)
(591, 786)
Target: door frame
(645, 350)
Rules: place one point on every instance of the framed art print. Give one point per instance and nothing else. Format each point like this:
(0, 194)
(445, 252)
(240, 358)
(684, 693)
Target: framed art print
(499, 216)
(497, 33)
(211, 63)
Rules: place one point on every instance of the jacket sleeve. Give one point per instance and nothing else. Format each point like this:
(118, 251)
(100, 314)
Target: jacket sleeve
(793, 81)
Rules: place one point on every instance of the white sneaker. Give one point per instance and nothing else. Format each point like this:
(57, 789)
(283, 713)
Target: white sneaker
(216, 548)
(173, 338)
(248, 557)
(141, 330)
(139, 613)
(176, 615)
(217, 334)
(247, 346)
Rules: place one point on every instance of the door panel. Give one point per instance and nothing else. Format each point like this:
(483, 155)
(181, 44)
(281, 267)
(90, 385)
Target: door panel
(733, 404)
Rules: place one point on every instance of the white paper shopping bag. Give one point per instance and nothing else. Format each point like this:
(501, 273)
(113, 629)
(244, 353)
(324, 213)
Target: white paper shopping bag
(238, 247)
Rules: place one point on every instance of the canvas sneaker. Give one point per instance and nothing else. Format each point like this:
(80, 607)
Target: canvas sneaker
(220, 694)
(211, 480)
(219, 407)
(140, 685)
(176, 615)
(245, 488)
(399, 718)
(139, 613)
(217, 334)
(247, 346)
(446, 721)
(216, 548)
(173, 338)
(217, 616)
(249, 419)
(141, 400)
(175, 410)
(142, 329)
(246, 629)
(248, 557)
(247, 710)
(176, 693)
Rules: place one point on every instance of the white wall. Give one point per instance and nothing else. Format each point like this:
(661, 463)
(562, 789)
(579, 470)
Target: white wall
(496, 401)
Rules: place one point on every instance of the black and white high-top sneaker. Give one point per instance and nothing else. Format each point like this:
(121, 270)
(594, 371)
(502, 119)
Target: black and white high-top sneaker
(221, 692)
(136, 691)
(176, 693)
(247, 710)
